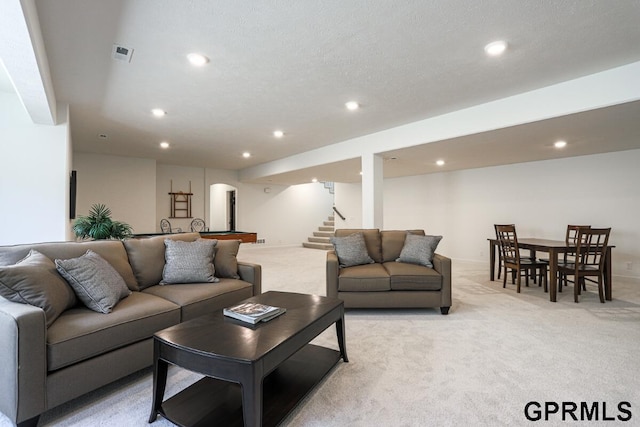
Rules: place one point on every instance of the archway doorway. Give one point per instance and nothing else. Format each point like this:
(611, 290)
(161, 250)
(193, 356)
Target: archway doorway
(222, 207)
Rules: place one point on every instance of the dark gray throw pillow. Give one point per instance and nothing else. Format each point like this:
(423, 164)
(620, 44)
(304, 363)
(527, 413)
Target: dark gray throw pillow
(419, 249)
(34, 280)
(351, 250)
(96, 283)
(188, 262)
(225, 259)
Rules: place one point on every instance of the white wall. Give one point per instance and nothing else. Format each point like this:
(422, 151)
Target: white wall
(180, 177)
(126, 185)
(285, 215)
(348, 201)
(541, 198)
(34, 175)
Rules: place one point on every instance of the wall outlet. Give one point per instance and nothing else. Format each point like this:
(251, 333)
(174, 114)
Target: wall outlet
(629, 265)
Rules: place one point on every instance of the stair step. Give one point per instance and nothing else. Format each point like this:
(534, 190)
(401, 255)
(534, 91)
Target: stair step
(325, 228)
(323, 234)
(329, 223)
(323, 246)
(320, 240)
(331, 218)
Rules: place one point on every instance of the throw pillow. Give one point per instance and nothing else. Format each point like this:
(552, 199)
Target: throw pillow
(351, 250)
(226, 261)
(419, 249)
(188, 262)
(96, 283)
(35, 281)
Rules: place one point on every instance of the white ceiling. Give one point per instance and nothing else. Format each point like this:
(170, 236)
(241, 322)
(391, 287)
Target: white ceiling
(292, 65)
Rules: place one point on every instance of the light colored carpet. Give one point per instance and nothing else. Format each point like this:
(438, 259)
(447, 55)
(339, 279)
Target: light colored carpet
(480, 365)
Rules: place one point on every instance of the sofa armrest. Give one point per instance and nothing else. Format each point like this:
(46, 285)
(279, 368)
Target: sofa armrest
(333, 268)
(23, 361)
(442, 265)
(252, 273)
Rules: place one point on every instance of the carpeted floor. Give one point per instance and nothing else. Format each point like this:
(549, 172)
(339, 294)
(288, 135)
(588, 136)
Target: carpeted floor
(480, 365)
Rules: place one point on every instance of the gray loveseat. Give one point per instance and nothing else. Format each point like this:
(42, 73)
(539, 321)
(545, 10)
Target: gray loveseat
(386, 283)
(81, 350)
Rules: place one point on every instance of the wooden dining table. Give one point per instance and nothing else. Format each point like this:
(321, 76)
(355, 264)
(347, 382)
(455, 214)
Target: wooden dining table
(553, 248)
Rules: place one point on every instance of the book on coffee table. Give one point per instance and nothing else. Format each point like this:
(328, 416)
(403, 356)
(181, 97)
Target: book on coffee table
(252, 312)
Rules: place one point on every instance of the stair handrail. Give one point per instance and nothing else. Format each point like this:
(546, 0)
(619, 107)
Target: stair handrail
(339, 214)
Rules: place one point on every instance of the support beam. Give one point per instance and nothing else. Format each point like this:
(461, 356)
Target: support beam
(372, 191)
(23, 55)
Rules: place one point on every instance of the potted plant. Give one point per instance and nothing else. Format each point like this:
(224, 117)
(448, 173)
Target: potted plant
(98, 225)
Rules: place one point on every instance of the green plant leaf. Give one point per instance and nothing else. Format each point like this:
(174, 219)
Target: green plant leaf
(98, 225)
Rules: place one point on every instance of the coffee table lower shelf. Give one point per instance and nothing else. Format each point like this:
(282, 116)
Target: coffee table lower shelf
(212, 402)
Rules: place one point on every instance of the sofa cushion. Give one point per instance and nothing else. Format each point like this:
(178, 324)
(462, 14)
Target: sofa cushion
(225, 258)
(393, 241)
(419, 249)
(371, 238)
(80, 333)
(111, 250)
(34, 280)
(147, 257)
(369, 277)
(351, 250)
(197, 299)
(96, 283)
(412, 277)
(188, 262)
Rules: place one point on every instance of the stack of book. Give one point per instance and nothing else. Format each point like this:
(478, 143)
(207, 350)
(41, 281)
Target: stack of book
(253, 313)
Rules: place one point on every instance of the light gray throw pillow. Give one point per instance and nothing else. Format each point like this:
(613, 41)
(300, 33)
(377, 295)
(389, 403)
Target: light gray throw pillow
(188, 262)
(96, 283)
(419, 249)
(351, 250)
(34, 280)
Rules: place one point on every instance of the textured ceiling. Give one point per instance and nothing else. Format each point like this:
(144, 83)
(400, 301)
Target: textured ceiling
(292, 66)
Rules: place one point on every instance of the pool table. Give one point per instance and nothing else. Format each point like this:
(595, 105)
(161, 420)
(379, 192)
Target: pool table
(243, 236)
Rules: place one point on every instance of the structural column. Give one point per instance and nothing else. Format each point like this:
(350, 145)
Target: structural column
(372, 191)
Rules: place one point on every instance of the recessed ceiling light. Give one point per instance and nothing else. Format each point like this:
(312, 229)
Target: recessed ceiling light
(560, 144)
(246, 154)
(440, 162)
(278, 133)
(352, 105)
(314, 179)
(158, 112)
(164, 145)
(496, 48)
(197, 59)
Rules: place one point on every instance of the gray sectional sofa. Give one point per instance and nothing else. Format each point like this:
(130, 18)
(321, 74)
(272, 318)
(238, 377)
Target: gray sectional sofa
(380, 281)
(44, 364)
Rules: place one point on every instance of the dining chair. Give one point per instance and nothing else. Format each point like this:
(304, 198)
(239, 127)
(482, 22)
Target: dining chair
(571, 239)
(590, 254)
(197, 224)
(500, 261)
(511, 258)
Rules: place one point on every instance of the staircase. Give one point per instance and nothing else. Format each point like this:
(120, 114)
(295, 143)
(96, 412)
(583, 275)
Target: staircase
(320, 239)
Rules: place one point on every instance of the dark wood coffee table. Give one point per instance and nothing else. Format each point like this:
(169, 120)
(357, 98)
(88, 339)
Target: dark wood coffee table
(256, 373)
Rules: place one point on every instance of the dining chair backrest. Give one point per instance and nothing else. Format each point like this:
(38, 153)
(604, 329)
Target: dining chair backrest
(165, 226)
(197, 224)
(572, 234)
(571, 239)
(508, 240)
(591, 247)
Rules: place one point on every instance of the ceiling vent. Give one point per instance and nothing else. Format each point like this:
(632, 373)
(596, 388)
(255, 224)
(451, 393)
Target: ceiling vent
(122, 53)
